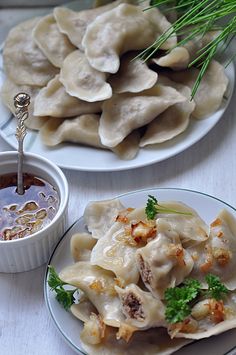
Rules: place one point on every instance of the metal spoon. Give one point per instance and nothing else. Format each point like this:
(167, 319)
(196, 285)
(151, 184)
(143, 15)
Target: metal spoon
(21, 102)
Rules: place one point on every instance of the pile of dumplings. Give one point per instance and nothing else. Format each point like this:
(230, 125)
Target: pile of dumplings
(123, 264)
(88, 86)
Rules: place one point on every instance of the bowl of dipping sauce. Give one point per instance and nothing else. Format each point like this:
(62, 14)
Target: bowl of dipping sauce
(30, 224)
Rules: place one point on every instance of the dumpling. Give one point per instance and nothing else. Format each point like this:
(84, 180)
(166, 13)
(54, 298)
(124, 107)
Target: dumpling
(99, 287)
(172, 121)
(10, 89)
(223, 246)
(141, 309)
(70, 24)
(81, 245)
(191, 229)
(133, 76)
(94, 330)
(54, 44)
(129, 147)
(210, 93)
(112, 252)
(24, 62)
(100, 215)
(163, 262)
(116, 250)
(74, 23)
(217, 256)
(125, 112)
(83, 309)
(168, 125)
(179, 57)
(160, 24)
(83, 81)
(114, 33)
(54, 101)
(82, 129)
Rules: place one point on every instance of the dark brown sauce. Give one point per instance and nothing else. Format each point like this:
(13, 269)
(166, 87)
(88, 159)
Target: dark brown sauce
(23, 215)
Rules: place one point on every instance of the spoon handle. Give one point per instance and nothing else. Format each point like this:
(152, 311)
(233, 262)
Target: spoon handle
(21, 102)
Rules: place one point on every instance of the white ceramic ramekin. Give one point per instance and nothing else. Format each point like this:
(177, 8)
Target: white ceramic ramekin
(33, 251)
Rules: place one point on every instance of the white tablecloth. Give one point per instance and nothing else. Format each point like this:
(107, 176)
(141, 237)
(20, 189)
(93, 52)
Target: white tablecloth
(208, 166)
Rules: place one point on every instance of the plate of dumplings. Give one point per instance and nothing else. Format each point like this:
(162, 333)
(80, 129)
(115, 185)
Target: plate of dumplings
(124, 264)
(95, 105)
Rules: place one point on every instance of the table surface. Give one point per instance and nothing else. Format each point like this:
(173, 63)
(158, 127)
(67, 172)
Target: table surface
(208, 166)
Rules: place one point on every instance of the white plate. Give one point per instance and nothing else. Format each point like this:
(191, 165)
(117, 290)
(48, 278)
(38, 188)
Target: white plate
(69, 327)
(84, 158)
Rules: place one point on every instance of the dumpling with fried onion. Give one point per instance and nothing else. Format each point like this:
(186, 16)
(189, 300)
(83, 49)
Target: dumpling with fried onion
(163, 262)
(116, 250)
(190, 227)
(99, 216)
(99, 287)
(141, 309)
(217, 255)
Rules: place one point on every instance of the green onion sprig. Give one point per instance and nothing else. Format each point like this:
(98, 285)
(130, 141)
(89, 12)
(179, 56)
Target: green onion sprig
(195, 18)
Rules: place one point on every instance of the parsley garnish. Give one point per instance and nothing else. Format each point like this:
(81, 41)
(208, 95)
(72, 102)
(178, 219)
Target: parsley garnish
(153, 207)
(215, 288)
(64, 297)
(180, 299)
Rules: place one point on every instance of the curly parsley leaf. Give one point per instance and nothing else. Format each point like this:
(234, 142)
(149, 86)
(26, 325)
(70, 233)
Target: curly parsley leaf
(215, 288)
(153, 208)
(193, 285)
(177, 312)
(150, 209)
(63, 296)
(53, 279)
(178, 300)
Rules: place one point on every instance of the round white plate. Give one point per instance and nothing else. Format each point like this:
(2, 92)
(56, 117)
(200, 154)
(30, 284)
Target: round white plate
(83, 158)
(69, 327)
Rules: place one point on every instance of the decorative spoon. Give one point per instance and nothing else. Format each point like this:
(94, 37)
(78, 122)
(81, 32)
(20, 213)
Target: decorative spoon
(21, 102)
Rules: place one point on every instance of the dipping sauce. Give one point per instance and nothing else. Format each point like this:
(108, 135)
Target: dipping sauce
(23, 215)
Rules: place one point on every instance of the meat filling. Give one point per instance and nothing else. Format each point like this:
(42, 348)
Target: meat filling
(132, 306)
(144, 270)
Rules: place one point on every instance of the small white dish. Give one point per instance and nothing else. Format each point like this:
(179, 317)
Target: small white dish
(69, 327)
(34, 250)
